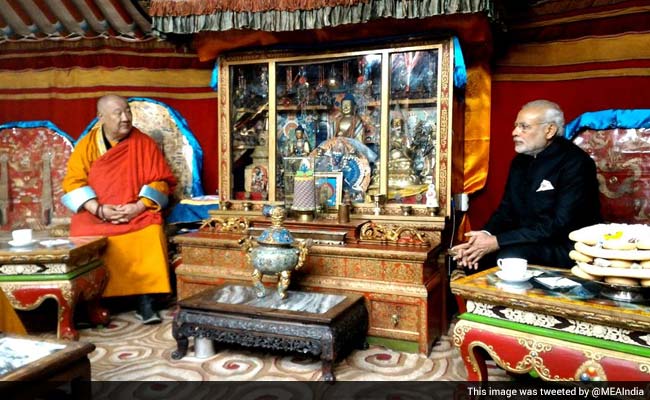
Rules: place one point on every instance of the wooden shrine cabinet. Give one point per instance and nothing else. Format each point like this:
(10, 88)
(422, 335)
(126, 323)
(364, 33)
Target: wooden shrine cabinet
(368, 128)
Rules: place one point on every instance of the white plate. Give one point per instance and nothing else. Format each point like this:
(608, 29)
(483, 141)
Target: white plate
(13, 243)
(525, 277)
(54, 242)
(518, 288)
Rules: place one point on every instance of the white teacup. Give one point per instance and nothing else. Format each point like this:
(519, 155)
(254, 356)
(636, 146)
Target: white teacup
(21, 236)
(513, 267)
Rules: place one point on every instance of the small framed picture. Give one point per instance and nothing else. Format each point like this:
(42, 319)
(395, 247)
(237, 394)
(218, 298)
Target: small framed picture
(329, 188)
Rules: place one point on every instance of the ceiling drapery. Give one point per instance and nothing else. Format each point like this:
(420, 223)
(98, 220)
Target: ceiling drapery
(193, 16)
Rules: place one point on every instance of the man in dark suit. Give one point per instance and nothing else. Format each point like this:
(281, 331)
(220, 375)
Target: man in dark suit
(551, 191)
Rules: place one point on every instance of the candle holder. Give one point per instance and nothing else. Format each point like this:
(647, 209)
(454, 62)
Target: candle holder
(304, 215)
(433, 211)
(379, 200)
(406, 210)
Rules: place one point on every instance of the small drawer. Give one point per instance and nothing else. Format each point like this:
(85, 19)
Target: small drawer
(394, 316)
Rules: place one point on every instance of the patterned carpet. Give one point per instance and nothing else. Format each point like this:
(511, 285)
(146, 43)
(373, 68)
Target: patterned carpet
(129, 351)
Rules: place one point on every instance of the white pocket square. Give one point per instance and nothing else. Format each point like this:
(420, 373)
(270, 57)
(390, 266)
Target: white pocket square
(544, 186)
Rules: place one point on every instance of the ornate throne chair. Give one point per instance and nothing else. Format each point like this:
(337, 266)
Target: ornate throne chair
(33, 159)
(33, 162)
(619, 143)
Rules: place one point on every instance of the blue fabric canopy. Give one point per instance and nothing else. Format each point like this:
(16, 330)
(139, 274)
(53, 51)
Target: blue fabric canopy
(608, 119)
(36, 124)
(460, 72)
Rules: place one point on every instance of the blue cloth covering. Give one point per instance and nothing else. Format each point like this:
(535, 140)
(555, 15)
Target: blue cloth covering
(214, 79)
(188, 213)
(36, 124)
(460, 71)
(608, 119)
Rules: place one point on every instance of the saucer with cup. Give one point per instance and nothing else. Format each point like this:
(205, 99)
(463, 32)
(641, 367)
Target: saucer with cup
(513, 270)
(21, 238)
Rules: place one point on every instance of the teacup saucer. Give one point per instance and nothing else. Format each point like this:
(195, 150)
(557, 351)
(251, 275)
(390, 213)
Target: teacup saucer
(13, 243)
(519, 279)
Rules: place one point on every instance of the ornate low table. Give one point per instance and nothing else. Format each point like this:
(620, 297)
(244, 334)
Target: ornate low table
(320, 324)
(67, 270)
(570, 333)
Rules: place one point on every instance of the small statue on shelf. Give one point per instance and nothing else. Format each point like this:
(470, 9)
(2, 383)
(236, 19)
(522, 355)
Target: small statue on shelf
(259, 181)
(400, 164)
(362, 93)
(348, 124)
(300, 145)
(351, 128)
(424, 141)
(324, 96)
(432, 196)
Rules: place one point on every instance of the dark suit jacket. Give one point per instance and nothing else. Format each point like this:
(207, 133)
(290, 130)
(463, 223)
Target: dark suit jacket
(547, 196)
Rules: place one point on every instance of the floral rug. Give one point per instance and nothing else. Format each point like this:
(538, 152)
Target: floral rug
(126, 350)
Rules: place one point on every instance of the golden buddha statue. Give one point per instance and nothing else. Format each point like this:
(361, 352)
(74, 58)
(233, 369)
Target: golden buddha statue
(400, 163)
(348, 125)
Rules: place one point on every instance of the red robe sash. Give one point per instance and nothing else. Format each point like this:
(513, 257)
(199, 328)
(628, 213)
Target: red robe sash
(117, 177)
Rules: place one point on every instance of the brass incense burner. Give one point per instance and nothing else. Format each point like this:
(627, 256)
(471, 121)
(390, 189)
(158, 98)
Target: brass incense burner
(276, 253)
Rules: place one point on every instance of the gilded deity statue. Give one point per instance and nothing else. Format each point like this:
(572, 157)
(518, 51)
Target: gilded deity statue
(400, 163)
(348, 125)
(300, 145)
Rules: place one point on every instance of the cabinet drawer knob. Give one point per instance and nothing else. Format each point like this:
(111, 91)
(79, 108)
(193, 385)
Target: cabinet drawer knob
(394, 319)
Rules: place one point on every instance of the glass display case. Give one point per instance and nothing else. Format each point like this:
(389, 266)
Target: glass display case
(376, 122)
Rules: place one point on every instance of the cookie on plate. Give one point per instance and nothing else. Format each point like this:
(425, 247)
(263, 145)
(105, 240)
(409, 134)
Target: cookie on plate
(577, 271)
(619, 244)
(575, 255)
(612, 263)
(618, 280)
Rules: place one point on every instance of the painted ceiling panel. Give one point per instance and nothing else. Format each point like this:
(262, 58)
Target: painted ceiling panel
(71, 20)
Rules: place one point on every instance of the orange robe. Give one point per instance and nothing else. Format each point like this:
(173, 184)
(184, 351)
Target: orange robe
(9, 321)
(136, 254)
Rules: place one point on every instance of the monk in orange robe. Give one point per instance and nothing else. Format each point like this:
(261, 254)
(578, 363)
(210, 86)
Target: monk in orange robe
(117, 183)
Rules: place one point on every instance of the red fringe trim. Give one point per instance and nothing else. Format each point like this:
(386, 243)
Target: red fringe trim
(164, 8)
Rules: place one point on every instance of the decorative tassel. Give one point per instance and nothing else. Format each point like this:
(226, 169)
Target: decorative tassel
(166, 8)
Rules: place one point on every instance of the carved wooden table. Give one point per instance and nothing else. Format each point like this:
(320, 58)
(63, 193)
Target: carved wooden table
(67, 272)
(320, 324)
(567, 334)
(51, 363)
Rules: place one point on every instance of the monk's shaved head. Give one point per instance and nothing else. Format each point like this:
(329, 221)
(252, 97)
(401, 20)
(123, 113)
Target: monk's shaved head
(115, 116)
(105, 100)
